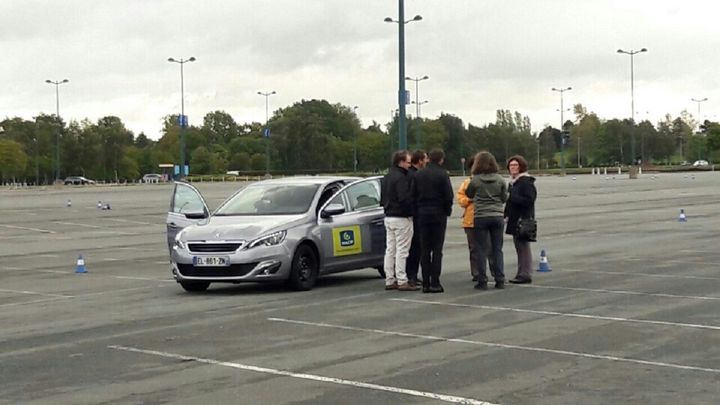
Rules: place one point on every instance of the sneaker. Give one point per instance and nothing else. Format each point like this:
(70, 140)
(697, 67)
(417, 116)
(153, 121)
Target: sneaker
(500, 285)
(393, 286)
(426, 289)
(518, 280)
(437, 289)
(407, 287)
(481, 286)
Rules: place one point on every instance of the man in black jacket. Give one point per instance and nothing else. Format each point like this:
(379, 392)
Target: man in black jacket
(434, 196)
(419, 161)
(397, 199)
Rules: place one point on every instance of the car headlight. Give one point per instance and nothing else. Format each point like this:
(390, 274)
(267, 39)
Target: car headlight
(178, 242)
(268, 240)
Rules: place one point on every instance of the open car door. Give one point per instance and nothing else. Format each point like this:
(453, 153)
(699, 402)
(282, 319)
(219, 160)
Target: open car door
(187, 207)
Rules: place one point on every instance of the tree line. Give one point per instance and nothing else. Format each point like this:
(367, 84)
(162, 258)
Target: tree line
(314, 136)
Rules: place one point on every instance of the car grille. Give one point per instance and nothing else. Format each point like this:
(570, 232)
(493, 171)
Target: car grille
(233, 270)
(214, 247)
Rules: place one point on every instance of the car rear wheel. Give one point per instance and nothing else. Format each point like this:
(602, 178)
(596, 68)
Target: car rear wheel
(195, 286)
(305, 269)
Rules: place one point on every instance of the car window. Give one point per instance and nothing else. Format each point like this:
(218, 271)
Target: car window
(363, 195)
(186, 200)
(270, 199)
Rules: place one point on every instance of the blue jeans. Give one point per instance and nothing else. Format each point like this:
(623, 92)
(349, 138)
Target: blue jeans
(490, 229)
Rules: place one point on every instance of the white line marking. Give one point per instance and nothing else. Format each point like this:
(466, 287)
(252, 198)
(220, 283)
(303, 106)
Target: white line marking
(567, 314)
(693, 297)
(128, 221)
(312, 377)
(683, 262)
(501, 345)
(143, 278)
(110, 259)
(627, 273)
(12, 268)
(46, 255)
(76, 224)
(35, 293)
(27, 229)
(13, 304)
(116, 291)
(117, 232)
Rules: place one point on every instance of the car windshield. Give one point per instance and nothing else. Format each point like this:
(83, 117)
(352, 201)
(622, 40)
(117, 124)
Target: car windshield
(270, 199)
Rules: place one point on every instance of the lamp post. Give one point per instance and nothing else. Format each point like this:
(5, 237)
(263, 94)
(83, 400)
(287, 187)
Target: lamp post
(355, 144)
(183, 119)
(562, 132)
(57, 84)
(266, 132)
(632, 54)
(402, 97)
(698, 101)
(417, 80)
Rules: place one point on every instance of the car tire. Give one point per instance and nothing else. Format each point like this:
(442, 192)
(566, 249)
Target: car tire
(195, 286)
(381, 270)
(305, 269)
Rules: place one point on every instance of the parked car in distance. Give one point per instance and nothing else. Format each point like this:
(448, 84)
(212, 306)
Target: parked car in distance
(152, 178)
(78, 180)
(701, 163)
(291, 230)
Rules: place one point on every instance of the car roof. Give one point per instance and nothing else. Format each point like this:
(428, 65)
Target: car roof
(299, 180)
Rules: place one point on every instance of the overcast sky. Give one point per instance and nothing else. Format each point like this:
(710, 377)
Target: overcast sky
(481, 55)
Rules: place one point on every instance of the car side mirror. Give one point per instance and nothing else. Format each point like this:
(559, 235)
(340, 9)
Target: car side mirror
(332, 209)
(200, 214)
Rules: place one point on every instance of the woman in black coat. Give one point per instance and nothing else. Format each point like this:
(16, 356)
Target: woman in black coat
(520, 204)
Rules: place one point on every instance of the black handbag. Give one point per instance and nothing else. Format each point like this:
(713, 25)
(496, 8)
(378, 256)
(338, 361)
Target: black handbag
(527, 229)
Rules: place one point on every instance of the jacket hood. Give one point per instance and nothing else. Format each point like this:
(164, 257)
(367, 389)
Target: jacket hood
(490, 178)
(248, 227)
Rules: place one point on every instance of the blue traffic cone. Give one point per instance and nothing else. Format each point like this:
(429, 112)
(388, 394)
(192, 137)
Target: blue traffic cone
(682, 217)
(80, 267)
(99, 204)
(544, 264)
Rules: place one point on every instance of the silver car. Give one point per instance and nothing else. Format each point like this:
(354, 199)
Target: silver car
(292, 230)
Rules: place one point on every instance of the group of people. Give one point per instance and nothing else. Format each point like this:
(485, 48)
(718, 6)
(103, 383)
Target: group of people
(417, 197)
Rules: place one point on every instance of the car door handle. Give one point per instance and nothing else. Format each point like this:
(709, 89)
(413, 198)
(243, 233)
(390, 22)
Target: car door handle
(173, 225)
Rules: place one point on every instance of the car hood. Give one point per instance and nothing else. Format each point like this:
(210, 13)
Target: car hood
(239, 227)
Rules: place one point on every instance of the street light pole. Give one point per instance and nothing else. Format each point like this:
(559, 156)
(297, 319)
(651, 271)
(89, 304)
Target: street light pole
(416, 80)
(266, 133)
(632, 54)
(698, 101)
(183, 119)
(562, 132)
(57, 84)
(402, 98)
(355, 144)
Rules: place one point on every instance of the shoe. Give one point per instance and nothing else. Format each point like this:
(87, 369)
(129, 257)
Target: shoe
(426, 289)
(500, 285)
(407, 287)
(437, 289)
(393, 286)
(481, 286)
(475, 278)
(518, 280)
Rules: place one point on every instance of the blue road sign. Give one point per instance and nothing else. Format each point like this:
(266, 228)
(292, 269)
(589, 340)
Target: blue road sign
(183, 121)
(266, 132)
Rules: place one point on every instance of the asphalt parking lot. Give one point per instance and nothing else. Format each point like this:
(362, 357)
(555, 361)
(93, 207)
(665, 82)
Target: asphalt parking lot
(629, 314)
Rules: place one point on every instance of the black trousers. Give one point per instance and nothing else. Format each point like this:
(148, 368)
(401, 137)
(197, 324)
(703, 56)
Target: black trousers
(432, 239)
(413, 261)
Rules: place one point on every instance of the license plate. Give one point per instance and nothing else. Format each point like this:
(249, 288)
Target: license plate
(210, 261)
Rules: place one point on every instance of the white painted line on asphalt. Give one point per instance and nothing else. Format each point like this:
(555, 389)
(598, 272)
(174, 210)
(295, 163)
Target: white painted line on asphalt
(23, 303)
(113, 291)
(117, 232)
(76, 224)
(144, 278)
(12, 268)
(600, 290)
(128, 221)
(27, 229)
(46, 255)
(35, 293)
(627, 273)
(500, 345)
(566, 314)
(675, 261)
(110, 259)
(312, 377)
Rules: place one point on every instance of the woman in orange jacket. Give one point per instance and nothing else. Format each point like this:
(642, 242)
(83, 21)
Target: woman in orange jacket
(468, 224)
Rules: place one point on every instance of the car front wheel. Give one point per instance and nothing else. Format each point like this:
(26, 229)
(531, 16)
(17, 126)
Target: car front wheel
(195, 286)
(305, 269)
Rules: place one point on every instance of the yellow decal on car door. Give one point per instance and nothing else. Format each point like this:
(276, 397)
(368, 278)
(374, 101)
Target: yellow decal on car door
(347, 240)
